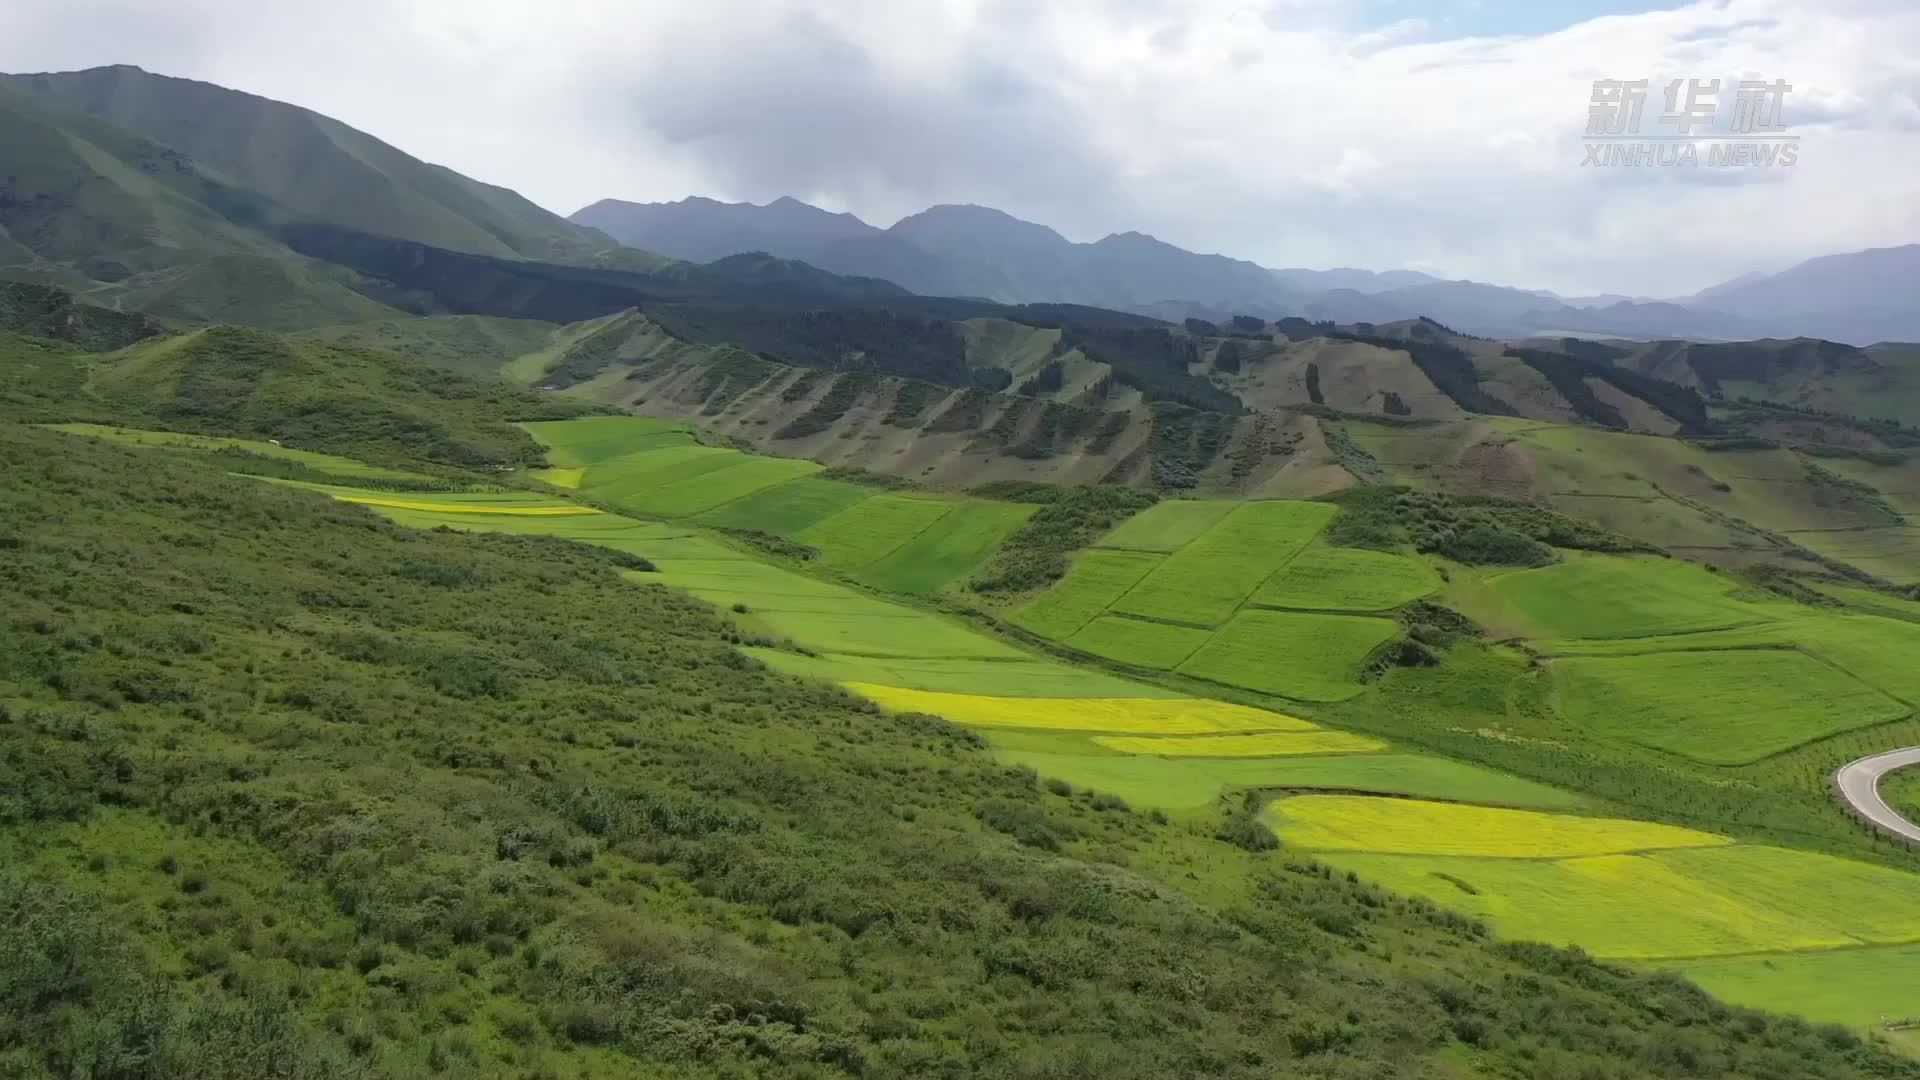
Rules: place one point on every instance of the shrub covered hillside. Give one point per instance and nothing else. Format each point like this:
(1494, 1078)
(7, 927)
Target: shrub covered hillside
(233, 381)
(289, 791)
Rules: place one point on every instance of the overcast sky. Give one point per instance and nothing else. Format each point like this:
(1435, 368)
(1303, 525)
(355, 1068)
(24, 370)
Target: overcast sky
(1443, 136)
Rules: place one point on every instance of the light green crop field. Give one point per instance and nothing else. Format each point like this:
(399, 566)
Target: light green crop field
(1869, 600)
(1008, 678)
(1183, 783)
(788, 508)
(970, 532)
(1167, 526)
(1615, 596)
(1094, 581)
(345, 468)
(1623, 907)
(1855, 987)
(579, 444)
(629, 482)
(736, 481)
(1309, 657)
(1890, 553)
(1347, 579)
(1721, 708)
(871, 529)
(1205, 581)
(1865, 902)
(1263, 744)
(1139, 642)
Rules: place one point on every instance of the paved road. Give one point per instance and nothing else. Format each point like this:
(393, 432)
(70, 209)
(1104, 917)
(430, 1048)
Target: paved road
(1859, 784)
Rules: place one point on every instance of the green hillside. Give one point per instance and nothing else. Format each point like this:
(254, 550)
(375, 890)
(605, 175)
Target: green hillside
(314, 166)
(129, 223)
(294, 792)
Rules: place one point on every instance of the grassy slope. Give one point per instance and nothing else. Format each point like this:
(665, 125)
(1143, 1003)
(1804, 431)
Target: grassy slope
(473, 345)
(131, 223)
(315, 166)
(230, 381)
(393, 801)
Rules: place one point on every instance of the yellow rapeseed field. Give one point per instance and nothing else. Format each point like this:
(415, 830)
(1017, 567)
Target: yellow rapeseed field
(469, 508)
(1127, 716)
(1408, 826)
(1269, 744)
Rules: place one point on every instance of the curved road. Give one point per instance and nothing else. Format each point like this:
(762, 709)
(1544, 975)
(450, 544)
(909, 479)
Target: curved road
(1858, 784)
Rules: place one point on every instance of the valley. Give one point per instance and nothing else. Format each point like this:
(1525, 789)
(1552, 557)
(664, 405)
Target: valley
(442, 639)
(1653, 658)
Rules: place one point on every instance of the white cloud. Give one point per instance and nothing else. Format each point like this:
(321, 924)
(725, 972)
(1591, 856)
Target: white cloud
(1278, 132)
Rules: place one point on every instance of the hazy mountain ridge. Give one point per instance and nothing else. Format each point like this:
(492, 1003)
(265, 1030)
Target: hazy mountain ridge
(980, 251)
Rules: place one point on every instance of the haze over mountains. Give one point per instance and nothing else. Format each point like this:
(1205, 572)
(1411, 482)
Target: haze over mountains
(1859, 298)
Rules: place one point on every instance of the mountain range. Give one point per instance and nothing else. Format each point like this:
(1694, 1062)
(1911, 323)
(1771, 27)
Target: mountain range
(978, 251)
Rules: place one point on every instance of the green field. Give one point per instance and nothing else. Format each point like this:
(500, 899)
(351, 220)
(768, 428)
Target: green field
(884, 539)
(1182, 783)
(626, 481)
(1855, 987)
(1168, 525)
(1624, 907)
(1205, 581)
(788, 508)
(1867, 903)
(1009, 678)
(739, 480)
(1299, 655)
(1891, 553)
(871, 529)
(966, 536)
(1870, 600)
(1614, 596)
(1138, 642)
(579, 444)
(1094, 581)
(1347, 579)
(1721, 708)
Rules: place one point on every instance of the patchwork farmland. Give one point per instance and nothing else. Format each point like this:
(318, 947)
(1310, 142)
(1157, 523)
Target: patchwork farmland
(1654, 656)
(1243, 594)
(907, 543)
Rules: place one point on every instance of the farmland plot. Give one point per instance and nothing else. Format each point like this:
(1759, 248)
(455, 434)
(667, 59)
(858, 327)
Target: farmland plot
(1095, 580)
(1205, 581)
(1143, 716)
(1721, 708)
(788, 508)
(1310, 657)
(1168, 525)
(1347, 579)
(871, 529)
(970, 532)
(1400, 826)
(1138, 642)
